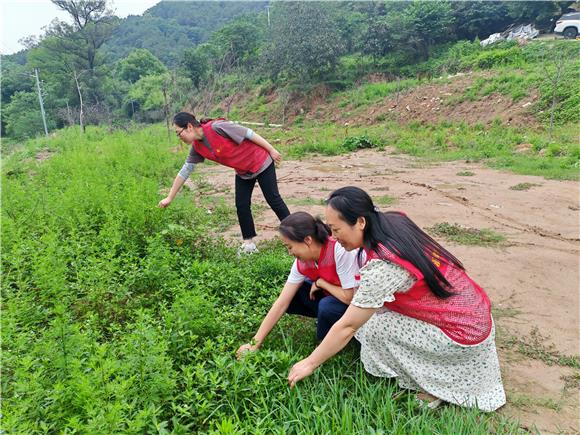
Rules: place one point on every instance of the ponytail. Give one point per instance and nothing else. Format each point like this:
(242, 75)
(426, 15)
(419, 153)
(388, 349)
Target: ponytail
(300, 225)
(322, 231)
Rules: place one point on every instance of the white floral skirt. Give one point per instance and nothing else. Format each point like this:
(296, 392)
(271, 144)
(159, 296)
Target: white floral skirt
(423, 358)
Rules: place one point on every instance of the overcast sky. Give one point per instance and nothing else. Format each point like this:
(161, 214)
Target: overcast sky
(21, 18)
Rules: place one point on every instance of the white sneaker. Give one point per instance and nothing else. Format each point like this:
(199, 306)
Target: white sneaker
(247, 248)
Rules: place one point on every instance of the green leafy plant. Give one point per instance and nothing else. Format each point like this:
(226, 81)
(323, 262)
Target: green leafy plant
(357, 143)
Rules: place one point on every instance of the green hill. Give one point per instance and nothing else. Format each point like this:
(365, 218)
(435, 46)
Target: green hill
(168, 28)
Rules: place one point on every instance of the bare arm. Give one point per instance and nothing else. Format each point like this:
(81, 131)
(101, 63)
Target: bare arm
(338, 337)
(259, 140)
(177, 184)
(344, 295)
(277, 310)
(183, 175)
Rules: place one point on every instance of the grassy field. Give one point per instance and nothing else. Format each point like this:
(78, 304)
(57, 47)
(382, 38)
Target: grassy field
(497, 145)
(119, 317)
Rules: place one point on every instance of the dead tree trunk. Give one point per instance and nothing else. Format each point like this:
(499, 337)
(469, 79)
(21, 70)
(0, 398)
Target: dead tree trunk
(166, 107)
(76, 77)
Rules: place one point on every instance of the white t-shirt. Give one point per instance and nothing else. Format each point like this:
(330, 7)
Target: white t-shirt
(346, 267)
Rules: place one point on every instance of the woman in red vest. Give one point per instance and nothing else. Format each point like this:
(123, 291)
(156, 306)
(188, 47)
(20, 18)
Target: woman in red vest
(320, 282)
(417, 314)
(237, 147)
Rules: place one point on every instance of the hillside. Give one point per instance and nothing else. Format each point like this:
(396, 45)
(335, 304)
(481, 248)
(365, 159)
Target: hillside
(508, 82)
(168, 28)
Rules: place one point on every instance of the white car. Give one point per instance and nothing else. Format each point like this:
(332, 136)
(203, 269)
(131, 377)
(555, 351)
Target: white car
(568, 25)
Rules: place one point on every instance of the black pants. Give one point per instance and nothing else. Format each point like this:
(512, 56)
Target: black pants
(326, 309)
(244, 188)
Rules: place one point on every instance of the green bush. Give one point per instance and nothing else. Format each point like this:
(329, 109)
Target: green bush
(357, 143)
(498, 57)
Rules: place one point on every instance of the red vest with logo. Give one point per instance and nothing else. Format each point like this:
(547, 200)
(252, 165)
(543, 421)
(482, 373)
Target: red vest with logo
(324, 268)
(465, 317)
(246, 157)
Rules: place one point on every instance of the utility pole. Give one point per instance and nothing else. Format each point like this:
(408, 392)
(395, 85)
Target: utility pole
(268, 10)
(41, 103)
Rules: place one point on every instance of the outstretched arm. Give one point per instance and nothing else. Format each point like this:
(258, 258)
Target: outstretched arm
(276, 312)
(336, 339)
(183, 175)
(177, 183)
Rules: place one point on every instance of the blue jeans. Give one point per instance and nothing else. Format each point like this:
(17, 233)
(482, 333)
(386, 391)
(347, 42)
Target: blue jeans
(326, 309)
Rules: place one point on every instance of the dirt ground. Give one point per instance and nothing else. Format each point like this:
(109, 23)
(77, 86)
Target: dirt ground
(533, 279)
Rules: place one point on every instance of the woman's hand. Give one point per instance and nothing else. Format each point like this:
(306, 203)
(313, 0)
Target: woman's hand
(300, 370)
(313, 289)
(276, 156)
(244, 348)
(164, 202)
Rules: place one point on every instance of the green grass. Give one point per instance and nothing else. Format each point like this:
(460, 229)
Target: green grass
(305, 201)
(498, 313)
(555, 157)
(370, 93)
(467, 236)
(523, 401)
(465, 174)
(385, 200)
(523, 186)
(120, 317)
(571, 382)
(514, 84)
(536, 346)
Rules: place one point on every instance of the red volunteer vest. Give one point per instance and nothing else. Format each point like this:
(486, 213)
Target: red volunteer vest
(464, 317)
(244, 158)
(325, 268)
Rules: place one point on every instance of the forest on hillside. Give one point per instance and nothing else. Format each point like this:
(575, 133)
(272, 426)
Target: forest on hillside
(99, 69)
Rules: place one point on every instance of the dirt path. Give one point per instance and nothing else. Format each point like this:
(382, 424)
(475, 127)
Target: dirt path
(533, 280)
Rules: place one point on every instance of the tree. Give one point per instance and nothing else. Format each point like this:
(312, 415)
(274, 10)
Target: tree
(378, 40)
(238, 41)
(140, 63)
(305, 42)
(386, 30)
(479, 18)
(540, 13)
(22, 116)
(147, 92)
(352, 25)
(195, 64)
(428, 23)
(92, 25)
(15, 78)
(77, 44)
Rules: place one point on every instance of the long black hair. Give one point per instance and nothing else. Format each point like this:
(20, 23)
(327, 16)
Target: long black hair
(300, 225)
(184, 118)
(397, 233)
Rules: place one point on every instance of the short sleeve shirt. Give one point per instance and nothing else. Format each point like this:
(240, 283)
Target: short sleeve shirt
(346, 267)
